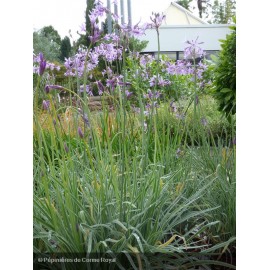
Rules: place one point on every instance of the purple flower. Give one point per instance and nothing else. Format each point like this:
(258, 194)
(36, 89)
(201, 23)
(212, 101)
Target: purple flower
(149, 94)
(115, 17)
(85, 119)
(48, 88)
(157, 20)
(107, 71)
(46, 104)
(157, 94)
(92, 17)
(179, 68)
(42, 64)
(135, 30)
(153, 81)
(52, 66)
(146, 59)
(96, 35)
(88, 89)
(202, 65)
(128, 94)
(199, 73)
(162, 82)
(100, 87)
(171, 69)
(124, 83)
(115, 38)
(111, 83)
(80, 132)
(193, 50)
(152, 95)
(83, 28)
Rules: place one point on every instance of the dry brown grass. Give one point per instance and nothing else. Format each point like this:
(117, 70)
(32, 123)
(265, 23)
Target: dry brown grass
(69, 121)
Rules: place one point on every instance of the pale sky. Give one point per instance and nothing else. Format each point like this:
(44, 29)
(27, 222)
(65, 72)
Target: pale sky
(70, 14)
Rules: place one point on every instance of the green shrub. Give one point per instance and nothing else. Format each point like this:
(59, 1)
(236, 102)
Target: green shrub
(225, 75)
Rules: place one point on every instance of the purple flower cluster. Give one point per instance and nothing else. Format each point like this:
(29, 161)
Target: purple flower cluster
(135, 31)
(75, 66)
(109, 52)
(159, 81)
(110, 48)
(95, 34)
(193, 51)
(152, 95)
(88, 89)
(40, 64)
(146, 59)
(177, 68)
(157, 20)
(184, 67)
(100, 87)
(98, 11)
(112, 38)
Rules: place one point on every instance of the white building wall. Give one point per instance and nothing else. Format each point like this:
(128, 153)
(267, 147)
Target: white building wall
(173, 38)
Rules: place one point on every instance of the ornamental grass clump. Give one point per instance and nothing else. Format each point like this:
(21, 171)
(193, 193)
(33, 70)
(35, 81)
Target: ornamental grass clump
(117, 184)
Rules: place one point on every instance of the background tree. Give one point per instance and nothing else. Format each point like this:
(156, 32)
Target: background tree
(223, 12)
(65, 48)
(46, 45)
(50, 33)
(229, 10)
(203, 7)
(184, 3)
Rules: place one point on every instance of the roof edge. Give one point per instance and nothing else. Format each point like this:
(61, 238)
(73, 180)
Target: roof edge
(188, 12)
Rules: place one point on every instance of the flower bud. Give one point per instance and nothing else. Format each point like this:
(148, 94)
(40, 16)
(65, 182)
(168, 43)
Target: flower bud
(80, 132)
(42, 64)
(45, 105)
(66, 147)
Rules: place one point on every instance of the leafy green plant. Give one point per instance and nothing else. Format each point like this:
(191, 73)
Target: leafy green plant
(136, 45)
(225, 75)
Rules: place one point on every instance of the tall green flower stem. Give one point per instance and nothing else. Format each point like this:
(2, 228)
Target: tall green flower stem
(36, 96)
(153, 115)
(122, 99)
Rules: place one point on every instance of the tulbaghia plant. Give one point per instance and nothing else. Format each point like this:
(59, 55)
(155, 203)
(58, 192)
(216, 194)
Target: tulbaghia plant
(126, 183)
